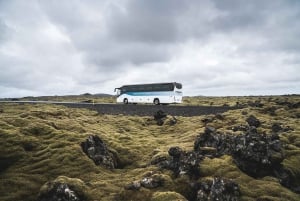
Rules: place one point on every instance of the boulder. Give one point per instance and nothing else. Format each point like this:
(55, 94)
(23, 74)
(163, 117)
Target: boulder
(97, 150)
(160, 117)
(182, 162)
(212, 138)
(218, 189)
(253, 121)
(150, 181)
(63, 189)
(254, 153)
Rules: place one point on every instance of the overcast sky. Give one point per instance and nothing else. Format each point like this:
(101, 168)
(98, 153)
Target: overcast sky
(213, 47)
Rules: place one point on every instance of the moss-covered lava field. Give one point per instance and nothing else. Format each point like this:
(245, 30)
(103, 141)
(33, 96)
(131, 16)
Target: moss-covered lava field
(42, 144)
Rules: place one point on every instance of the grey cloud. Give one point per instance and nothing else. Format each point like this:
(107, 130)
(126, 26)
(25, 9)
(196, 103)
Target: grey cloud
(146, 21)
(3, 31)
(220, 46)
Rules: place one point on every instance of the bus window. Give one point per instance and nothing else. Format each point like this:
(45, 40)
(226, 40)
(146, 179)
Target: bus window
(178, 85)
(148, 88)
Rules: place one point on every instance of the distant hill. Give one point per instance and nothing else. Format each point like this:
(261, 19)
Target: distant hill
(86, 97)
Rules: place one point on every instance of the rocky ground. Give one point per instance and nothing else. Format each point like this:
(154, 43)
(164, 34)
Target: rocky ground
(53, 152)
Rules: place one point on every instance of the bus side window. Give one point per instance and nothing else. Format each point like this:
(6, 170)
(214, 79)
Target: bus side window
(141, 88)
(149, 88)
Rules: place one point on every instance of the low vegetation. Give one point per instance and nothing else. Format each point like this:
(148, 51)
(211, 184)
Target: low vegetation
(41, 143)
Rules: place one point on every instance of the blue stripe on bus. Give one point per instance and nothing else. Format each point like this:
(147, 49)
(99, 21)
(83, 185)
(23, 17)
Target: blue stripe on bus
(151, 93)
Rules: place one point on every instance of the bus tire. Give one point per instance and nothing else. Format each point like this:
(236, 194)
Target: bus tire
(125, 101)
(156, 101)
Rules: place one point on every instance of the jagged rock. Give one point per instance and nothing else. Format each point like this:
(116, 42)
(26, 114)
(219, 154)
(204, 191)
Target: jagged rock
(240, 128)
(60, 192)
(97, 150)
(175, 152)
(181, 162)
(160, 114)
(270, 110)
(135, 185)
(211, 138)
(63, 189)
(152, 182)
(276, 127)
(253, 121)
(160, 118)
(218, 189)
(256, 154)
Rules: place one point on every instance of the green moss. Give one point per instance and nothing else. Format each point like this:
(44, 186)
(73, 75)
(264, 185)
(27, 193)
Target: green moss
(42, 142)
(167, 196)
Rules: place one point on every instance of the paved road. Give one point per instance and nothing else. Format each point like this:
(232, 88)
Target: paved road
(140, 110)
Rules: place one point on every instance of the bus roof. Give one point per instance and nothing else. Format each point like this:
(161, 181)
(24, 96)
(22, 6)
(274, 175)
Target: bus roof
(161, 83)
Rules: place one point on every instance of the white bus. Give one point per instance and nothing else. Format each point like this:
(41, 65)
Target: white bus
(157, 93)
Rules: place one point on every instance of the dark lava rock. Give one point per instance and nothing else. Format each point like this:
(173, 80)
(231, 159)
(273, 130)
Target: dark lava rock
(270, 110)
(253, 121)
(240, 128)
(152, 181)
(160, 117)
(290, 105)
(211, 138)
(175, 152)
(256, 154)
(97, 150)
(181, 162)
(62, 189)
(218, 189)
(276, 127)
(60, 192)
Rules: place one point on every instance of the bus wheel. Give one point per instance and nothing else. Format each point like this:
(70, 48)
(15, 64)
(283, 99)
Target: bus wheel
(125, 101)
(156, 101)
